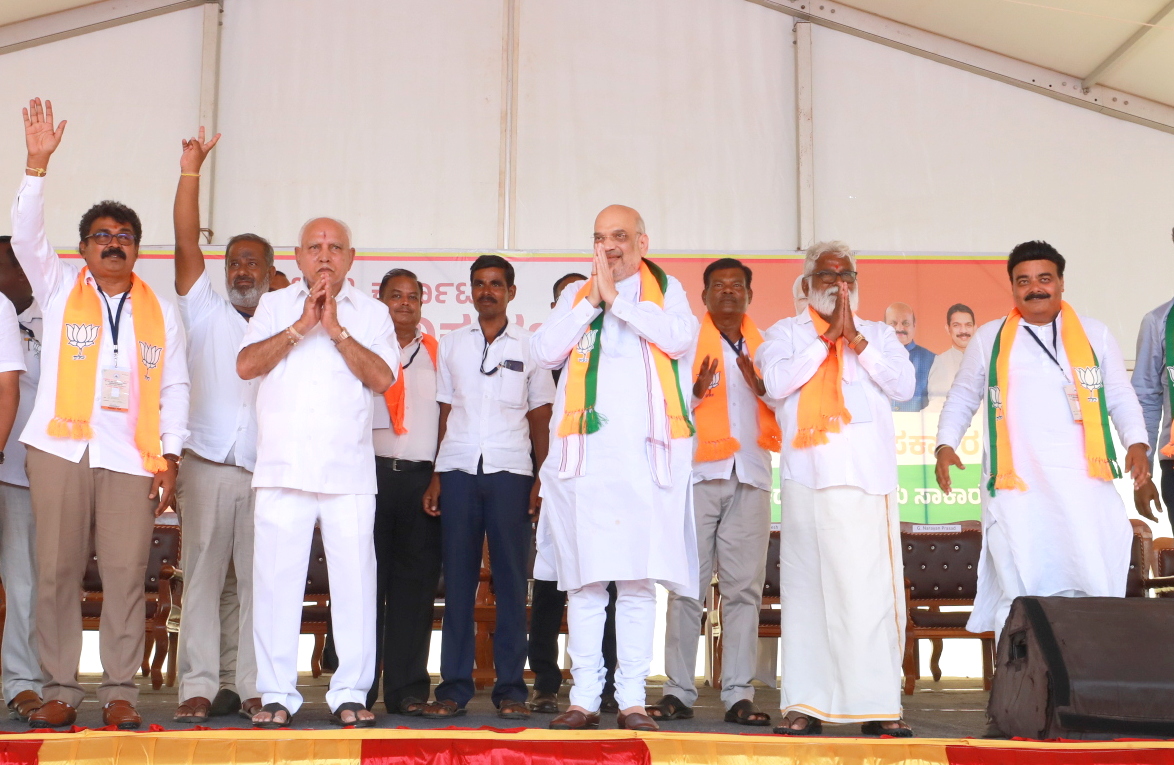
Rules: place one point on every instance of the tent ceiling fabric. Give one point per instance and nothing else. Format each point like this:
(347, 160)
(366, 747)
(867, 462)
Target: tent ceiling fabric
(1070, 36)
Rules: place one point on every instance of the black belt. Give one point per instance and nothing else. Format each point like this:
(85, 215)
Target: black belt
(406, 466)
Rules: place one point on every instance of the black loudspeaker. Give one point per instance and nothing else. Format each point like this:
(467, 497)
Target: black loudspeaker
(1085, 668)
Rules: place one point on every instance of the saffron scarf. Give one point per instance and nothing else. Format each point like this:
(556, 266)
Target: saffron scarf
(580, 415)
(821, 399)
(1168, 449)
(714, 441)
(77, 367)
(397, 393)
(1086, 375)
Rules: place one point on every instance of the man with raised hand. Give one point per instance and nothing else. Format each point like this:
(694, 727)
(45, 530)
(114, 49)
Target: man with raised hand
(1050, 380)
(736, 432)
(104, 436)
(319, 348)
(616, 487)
(843, 604)
(215, 494)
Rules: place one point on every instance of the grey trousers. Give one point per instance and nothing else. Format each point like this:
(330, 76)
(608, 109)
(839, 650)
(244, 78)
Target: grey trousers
(733, 527)
(18, 569)
(216, 514)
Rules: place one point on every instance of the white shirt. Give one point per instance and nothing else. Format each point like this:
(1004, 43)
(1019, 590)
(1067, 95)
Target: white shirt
(313, 414)
(942, 373)
(421, 410)
(864, 453)
(223, 419)
(751, 463)
(113, 446)
(12, 359)
(488, 418)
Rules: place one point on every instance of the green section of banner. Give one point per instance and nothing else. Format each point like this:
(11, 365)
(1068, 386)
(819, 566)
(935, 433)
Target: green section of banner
(923, 502)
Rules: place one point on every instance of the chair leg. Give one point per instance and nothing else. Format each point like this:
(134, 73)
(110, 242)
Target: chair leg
(147, 646)
(988, 663)
(316, 656)
(160, 656)
(934, 657)
(911, 662)
(172, 653)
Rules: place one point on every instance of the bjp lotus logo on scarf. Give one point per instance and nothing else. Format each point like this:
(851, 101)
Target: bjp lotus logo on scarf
(81, 336)
(586, 344)
(1091, 379)
(150, 354)
(996, 400)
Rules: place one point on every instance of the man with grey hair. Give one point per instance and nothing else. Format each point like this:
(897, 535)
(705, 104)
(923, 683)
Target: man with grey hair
(843, 613)
(319, 349)
(214, 492)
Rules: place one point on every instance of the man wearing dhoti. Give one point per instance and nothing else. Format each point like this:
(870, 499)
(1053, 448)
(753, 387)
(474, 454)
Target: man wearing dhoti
(1050, 380)
(617, 504)
(842, 582)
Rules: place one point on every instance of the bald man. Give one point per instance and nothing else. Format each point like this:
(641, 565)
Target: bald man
(901, 318)
(319, 349)
(617, 504)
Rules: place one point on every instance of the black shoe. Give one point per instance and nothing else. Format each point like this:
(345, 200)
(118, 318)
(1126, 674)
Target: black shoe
(227, 702)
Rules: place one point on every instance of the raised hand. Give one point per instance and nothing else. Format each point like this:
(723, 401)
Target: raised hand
(40, 138)
(195, 150)
(604, 280)
(836, 322)
(704, 377)
(329, 309)
(848, 321)
(311, 310)
(750, 375)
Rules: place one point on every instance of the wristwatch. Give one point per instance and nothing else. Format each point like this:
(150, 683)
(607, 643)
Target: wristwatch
(342, 336)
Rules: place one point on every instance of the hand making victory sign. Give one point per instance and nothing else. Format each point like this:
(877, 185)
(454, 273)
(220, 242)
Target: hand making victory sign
(195, 151)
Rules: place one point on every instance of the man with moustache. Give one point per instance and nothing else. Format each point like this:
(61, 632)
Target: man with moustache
(616, 489)
(547, 602)
(736, 432)
(214, 493)
(407, 540)
(1050, 379)
(104, 436)
(843, 613)
(960, 325)
(319, 350)
(18, 567)
(494, 410)
(901, 318)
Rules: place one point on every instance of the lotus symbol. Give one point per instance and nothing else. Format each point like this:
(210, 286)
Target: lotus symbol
(1090, 377)
(587, 342)
(150, 355)
(81, 336)
(996, 396)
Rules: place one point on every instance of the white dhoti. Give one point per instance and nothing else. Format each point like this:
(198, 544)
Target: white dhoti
(843, 604)
(285, 521)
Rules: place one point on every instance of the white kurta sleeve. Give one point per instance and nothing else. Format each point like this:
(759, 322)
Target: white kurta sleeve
(785, 368)
(40, 263)
(673, 328)
(965, 396)
(1121, 399)
(175, 388)
(887, 362)
(552, 342)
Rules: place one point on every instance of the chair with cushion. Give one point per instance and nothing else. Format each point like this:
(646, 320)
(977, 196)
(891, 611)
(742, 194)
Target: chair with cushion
(161, 566)
(941, 569)
(1162, 568)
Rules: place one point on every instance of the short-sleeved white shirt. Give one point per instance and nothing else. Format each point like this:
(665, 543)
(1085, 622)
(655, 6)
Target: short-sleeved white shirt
(421, 410)
(313, 414)
(488, 418)
(222, 418)
(13, 358)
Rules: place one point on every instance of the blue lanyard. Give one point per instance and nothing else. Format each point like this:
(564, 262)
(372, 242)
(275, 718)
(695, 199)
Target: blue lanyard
(115, 320)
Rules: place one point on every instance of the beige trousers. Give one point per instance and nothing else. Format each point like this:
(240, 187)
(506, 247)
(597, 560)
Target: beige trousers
(70, 499)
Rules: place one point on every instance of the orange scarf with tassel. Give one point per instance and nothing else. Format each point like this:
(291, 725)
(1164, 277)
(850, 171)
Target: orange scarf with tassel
(397, 393)
(712, 415)
(821, 399)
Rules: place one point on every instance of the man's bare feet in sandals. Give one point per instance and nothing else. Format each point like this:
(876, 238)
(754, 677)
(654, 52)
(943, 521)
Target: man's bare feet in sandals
(354, 714)
(272, 716)
(799, 724)
(894, 728)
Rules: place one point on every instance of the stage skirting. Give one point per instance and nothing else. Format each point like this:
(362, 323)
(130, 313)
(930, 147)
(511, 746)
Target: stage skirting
(541, 747)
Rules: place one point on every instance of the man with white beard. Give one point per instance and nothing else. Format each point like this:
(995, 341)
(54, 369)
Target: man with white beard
(841, 577)
(214, 492)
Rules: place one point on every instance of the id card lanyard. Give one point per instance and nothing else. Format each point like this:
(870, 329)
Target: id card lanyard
(1069, 387)
(115, 381)
(115, 319)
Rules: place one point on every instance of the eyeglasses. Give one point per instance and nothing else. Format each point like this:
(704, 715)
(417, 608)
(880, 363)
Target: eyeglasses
(103, 238)
(830, 277)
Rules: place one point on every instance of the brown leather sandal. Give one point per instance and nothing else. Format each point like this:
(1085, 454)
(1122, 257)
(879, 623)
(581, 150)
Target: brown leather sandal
(442, 709)
(24, 704)
(250, 707)
(194, 710)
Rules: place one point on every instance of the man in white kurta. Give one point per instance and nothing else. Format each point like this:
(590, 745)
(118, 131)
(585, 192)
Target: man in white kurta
(1067, 533)
(616, 503)
(843, 605)
(320, 348)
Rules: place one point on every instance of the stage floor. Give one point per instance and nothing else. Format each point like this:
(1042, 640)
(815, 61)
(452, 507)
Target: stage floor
(953, 708)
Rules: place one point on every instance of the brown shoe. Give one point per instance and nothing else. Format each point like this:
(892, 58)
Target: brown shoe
(636, 721)
(573, 719)
(250, 707)
(53, 714)
(513, 710)
(544, 703)
(122, 715)
(194, 710)
(24, 704)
